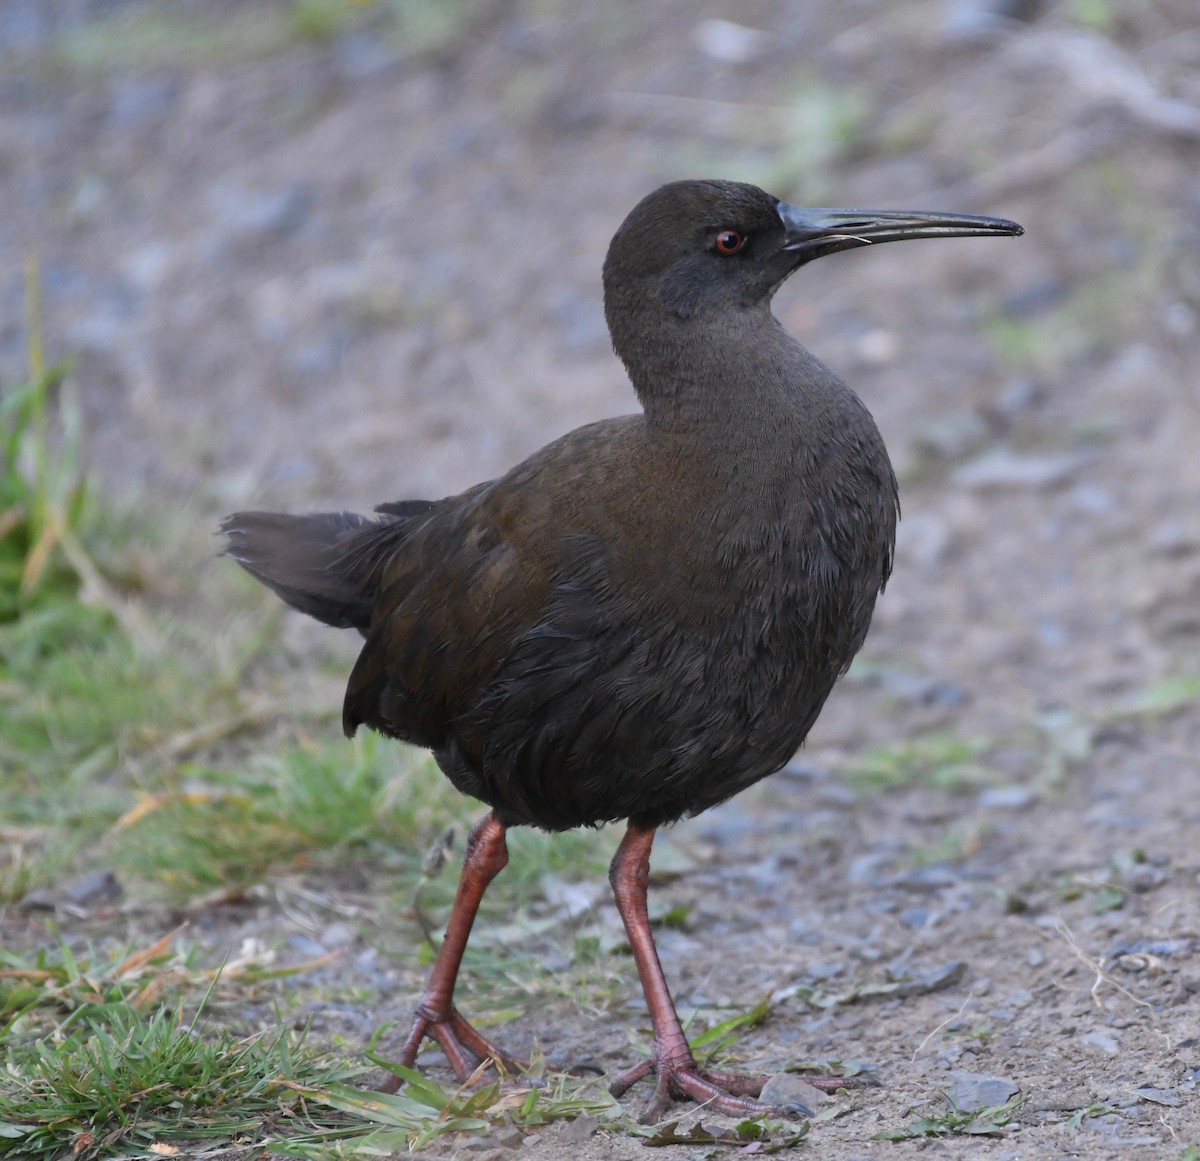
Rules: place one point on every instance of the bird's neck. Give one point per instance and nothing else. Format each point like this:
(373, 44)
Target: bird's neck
(734, 378)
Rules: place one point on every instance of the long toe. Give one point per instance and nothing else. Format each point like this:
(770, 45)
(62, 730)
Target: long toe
(728, 1093)
(725, 1093)
(464, 1045)
(481, 1046)
(833, 1083)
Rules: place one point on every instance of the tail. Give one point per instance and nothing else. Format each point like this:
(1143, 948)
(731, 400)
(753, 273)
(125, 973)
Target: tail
(327, 565)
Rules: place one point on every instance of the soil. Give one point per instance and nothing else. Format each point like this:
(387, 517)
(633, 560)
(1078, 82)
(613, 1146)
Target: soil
(328, 273)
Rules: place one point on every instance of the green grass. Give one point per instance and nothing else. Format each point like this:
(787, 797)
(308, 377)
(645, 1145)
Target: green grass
(104, 1051)
(153, 726)
(130, 1083)
(940, 761)
(990, 1122)
(42, 491)
(153, 37)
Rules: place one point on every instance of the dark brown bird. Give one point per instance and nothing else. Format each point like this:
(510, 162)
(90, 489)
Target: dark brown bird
(646, 616)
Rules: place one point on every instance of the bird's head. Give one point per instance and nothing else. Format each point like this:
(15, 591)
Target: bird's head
(697, 246)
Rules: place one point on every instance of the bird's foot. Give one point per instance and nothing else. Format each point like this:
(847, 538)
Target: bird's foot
(679, 1077)
(830, 1084)
(465, 1047)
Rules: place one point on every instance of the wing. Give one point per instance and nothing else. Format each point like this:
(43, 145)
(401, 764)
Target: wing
(449, 604)
(473, 575)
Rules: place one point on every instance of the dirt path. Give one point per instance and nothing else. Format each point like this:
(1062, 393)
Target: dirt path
(340, 272)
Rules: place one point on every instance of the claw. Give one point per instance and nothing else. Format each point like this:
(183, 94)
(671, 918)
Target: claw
(681, 1078)
(464, 1045)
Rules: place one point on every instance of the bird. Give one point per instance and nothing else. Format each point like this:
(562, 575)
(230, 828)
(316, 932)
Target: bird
(646, 616)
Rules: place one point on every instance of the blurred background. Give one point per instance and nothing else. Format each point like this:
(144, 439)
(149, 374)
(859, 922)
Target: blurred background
(330, 250)
(322, 253)
(325, 253)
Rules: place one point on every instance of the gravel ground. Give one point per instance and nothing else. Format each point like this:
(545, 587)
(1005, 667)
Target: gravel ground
(331, 273)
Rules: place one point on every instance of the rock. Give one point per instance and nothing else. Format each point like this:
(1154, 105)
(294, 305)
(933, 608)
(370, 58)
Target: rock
(579, 1130)
(1092, 499)
(309, 948)
(971, 22)
(478, 1145)
(280, 211)
(972, 1091)
(1157, 947)
(825, 971)
(932, 877)
(337, 935)
(1019, 394)
(1174, 538)
(1007, 798)
(1142, 878)
(1003, 468)
(951, 437)
(360, 55)
(933, 981)
(1037, 299)
(866, 870)
(1107, 1044)
(787, 1090)
(510, 1137)
(1179, 318)
(924, 539)
(730, 43)
(1158, 1096)
(136, 100)
(877, 347)
(92, 890)
(572, 899)
(924, 691)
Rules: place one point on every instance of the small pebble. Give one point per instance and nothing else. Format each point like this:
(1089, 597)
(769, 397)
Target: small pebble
(93, 889)
(337, 935)
(972, 1091)
(580, 1129)
(1007, 798)
(511, 1137)
(730, 43)
(1007, 469)
(1107, 1044)
(787, 1090)
(1159, 1096)
(934, 981)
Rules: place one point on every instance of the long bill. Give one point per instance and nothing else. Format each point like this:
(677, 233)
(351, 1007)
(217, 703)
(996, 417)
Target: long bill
(812, 233)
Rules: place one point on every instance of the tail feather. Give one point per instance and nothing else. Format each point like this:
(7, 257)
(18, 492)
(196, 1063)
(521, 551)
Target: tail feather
(326, 565)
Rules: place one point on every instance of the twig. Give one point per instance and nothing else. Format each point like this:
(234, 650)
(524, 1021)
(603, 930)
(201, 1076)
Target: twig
(1102, 977)
(948, 1020)
(431, 867)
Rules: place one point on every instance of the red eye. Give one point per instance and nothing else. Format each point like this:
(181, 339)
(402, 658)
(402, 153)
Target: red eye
(730, 241)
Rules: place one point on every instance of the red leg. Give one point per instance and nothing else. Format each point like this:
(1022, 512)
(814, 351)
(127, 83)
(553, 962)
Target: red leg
(436, 1016)
(677, 1075)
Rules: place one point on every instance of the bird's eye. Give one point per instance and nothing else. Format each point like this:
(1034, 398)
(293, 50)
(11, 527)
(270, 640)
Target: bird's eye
(730, 241)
